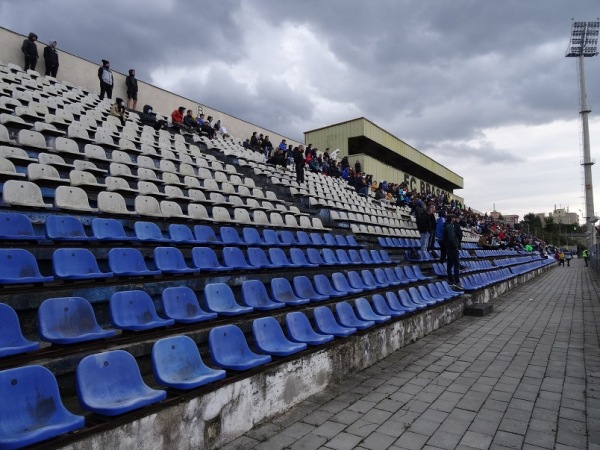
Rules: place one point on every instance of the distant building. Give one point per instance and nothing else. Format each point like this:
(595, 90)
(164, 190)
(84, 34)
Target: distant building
(511, 219)
(560, 216)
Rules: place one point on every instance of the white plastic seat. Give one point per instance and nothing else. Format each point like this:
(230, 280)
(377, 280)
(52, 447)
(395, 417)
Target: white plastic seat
(174, 192)
(118, 184)
(147, 175)
(7, 169)
(146, 205)
(204, 174)
(191, 182)
(33, 139)
(112, 203)
(102, 137)
(291, 221)
(78, 132)
(82, 178)
(88, 166)
(172, 209)
(121, 170)
(72, 198)
(127, 145)
(198, 196)
(146, 162)
(198, 212)
(171, 178)
(23, 193)
(43, 172)
(260, 218)
(4, 136)
(149, 188)
(241, 215)
(220, 214)
(186, 169)
(167, 166)
(15, 153)
(65, 145)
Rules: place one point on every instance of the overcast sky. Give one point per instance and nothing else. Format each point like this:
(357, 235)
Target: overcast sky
(481, 86)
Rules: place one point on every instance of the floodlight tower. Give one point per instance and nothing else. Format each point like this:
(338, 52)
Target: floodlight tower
(584, 44)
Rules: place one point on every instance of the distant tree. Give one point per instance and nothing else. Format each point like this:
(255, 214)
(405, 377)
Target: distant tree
(550, 226)
(531, 223)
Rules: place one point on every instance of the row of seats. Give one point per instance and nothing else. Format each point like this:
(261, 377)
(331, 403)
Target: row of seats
(18, 227)
(69, 320)
(20, 266)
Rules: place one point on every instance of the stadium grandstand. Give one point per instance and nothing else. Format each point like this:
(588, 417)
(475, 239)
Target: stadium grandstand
(159, 289)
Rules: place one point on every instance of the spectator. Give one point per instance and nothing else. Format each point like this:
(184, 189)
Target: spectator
(452, 251)
(357, 166)
(190, 122)
(282, 145)
(585, 256)
(118, 110)
(246, 144)
(148, 117)
(426, 225)
(313, 164)
(439, 234)
(51, 59)
(207, 128)
(298, 155)
(267, 146)
(106, 79)
(132, 89)
(177, 119)
(29, 49)
(254, 141)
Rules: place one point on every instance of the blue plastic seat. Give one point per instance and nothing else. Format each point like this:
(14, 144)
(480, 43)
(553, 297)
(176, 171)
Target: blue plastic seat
(394, 303)
(366, 256)
(381, 307)
(134, 311)
(66, 228)
(323, 286)
(171, 260)
(303, 238)
(271, 238)
(426, 294)
(446, 287)
(251, 236)
(317, 240)
(269, 338)
(419, 274)
(392, 277)
(354, 256)
(230, 236)
(283, 292)
(110, 230)
(32, 410)
(382, 279)
(220, 299)
(181, 304)
(341, 240)
(12, 341)
(176, 363)
(205, 259)
(258, 258)
(371, 282)
(69, 320)
(279, 258)
(352, 241)
(416, 296)
(254, 294)
(300, 330)
(365, 312)
(314, 257)
(410, 274)
(342, 257)
(234, 258)
(384, 256)
(330, 258)
(347, 317)
(76, 264)
(329, 240)
(206, 235)
(128, 262)
(182, 234)
(325, 323)
(229, 349)
(435, 292)
(18, 266)
(408, 301)
(298, 258)
(356, 282)
(110, 383)
(340, 283)
(304, 288)
(287, 238)
(16, 227)
(149, 232)
(402, 274)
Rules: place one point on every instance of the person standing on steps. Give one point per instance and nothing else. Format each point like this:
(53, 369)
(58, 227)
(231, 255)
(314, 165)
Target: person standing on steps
(106, 80)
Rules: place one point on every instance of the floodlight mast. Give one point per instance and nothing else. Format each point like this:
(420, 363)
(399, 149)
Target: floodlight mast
(584, 44)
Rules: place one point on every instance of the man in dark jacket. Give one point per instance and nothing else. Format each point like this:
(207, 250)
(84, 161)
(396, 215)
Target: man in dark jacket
(51, 59)
(452, 244)
(132, 89)
(426, 225)
(29, 49)
(106, 79)
(148, 117)
(299, 163)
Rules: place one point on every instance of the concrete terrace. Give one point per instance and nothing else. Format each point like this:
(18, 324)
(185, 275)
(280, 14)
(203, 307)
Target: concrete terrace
(526, 376)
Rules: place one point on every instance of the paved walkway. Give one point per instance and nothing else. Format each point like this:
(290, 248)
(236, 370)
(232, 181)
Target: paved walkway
(526, 376)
